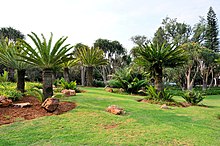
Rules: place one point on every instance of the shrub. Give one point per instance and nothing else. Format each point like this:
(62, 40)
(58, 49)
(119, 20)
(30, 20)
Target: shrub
(97, 83)
(159, 96)
(38, 93)
(129, 80)
(14, 94)
(71, 85)
(193, 97)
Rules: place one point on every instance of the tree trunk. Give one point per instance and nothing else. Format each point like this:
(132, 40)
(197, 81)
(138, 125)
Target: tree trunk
(189, 81)
(21, 80)
(82, 76)
(204, 84)
(89, 76)
(47, 83)
(11, 73)
(66, 74)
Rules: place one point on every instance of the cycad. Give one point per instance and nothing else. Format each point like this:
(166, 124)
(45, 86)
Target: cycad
(155, 58)
(46, 57)
(9, 57)
(90, 57)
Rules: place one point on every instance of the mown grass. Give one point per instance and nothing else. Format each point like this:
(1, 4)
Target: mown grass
(143, 123)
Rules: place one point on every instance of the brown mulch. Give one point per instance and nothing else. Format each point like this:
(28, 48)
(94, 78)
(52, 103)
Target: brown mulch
(12, 114)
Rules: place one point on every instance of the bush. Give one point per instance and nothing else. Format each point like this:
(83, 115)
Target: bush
(14, 94)
(158, 96)
(97, 83)
(193, 97)
(129, 80)
(36, 93)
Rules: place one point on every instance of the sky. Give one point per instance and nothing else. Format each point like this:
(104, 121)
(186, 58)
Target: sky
(84, 21)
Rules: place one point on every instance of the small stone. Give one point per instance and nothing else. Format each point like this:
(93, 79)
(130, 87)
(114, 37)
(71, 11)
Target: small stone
(50, 104)
(109, 89)
(115, 110)
(26, 104)
(5, 102)
(69, 92)
(164, 106)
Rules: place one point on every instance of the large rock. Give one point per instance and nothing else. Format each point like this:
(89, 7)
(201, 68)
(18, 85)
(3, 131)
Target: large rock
(5, 102)
(69, 92)
(115, 110)
(50, 104)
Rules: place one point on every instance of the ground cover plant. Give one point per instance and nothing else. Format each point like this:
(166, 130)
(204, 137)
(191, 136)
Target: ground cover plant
(143, 123)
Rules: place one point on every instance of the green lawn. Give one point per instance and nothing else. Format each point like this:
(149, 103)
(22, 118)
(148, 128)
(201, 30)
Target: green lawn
(143, 124)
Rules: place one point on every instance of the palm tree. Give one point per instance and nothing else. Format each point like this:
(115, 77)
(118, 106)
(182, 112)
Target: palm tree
(9, 57)
(90, 57)
(156, 57)
(45, 57)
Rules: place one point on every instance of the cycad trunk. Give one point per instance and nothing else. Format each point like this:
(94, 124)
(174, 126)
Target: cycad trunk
(89, 75)
(82, 76)
(11, 74)
(66, 74)
(159, 80)
(21, 80)
(47, 83)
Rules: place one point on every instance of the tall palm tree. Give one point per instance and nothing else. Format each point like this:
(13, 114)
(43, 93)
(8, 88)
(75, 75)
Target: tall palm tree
(9, 57)
(45, 57)
(90, 57)
(156, 57)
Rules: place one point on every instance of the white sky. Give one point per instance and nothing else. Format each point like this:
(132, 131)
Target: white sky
(87, 20)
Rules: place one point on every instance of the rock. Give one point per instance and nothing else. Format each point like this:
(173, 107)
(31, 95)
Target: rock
(50, 104)
(115, 110)
(109, 89)
(185, 104)
(121, 90)
(26, 104)
(69, 92)
(5, 102)
(164, 106)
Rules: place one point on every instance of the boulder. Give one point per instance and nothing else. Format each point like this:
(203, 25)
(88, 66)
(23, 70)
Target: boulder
(5, 102)
(69, 92)
(115, 110)
(50, 104)
(164, 106)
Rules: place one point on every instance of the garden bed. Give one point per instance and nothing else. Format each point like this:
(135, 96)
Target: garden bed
(12, 114)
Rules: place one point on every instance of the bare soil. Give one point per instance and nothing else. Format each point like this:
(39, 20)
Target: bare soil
(12, 114)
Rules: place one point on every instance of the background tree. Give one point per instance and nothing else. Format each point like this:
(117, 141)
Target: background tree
(79, 46)
(114, 53)
(90, 58)
(211, 35)
(45, 57)
(12, 35)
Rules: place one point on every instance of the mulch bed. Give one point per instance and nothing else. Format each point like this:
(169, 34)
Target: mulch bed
(12, 114)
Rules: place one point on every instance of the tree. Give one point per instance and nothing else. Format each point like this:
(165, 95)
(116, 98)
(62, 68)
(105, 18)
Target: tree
(12, 35)
(211, 36)
(160, 37)
(45, 57)
(90, 57)
(82, 68)
(66, 66)
(155, 58)
(9, 57)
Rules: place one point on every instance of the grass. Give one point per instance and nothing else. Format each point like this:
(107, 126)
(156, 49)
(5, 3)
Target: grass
(143, 123)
